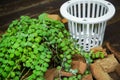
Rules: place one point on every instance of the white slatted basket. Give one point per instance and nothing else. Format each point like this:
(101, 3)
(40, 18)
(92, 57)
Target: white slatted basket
(87, 20)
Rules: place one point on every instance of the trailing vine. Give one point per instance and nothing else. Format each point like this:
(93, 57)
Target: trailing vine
(36, 45)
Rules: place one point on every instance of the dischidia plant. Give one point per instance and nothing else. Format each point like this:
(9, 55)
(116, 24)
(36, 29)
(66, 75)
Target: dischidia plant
(30, 46)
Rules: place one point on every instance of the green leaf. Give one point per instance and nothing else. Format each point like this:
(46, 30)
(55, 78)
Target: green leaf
(35, 34)
(41, 73)
(16, 78)
(38, 79)
(11, 50)
(16, 45)
(3, 66)
(28, 64)
(33, 56)
(67, 65)
(23, 58)
(65, 48)
(29, 49)
(1, 59)
(74, 71)
(37, 67)
(47, 60)
(62, 44)
(25, 51)
(20, 49)
(11, 55)
(36, 72)
(1, 70)
(68, 56)
(102, 55)
(41, 48)
(41, 61)
(79, 77)
(51, 38)
(30, 60)
(44, 69)
(59, 67)
(87, 72)
(18, 40)
(61, 55)
(29, 43)
(6, 61)
(35, 50)
(69, 61)
(86, 55)
(60, 35)
(48, 56)
(42, 17)
(45, 64)
(4, 74)
(38, 39)
(17, 53)
(53, 41)
(30, 31)
(30, 77)
(11, 63)
(35, 62)
(63, 78)
(7, 68)
(1, 54)
(12, 74)
(59, 40)
(18, 67)
(42, 57)
(22, 44)
(34, 46)
(93, 55)
(97, 55)
(33, 76)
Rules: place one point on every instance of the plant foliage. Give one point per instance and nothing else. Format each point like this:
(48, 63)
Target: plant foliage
(35, 45)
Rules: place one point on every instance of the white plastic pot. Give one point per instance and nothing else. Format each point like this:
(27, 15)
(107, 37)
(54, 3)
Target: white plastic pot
(87, 20)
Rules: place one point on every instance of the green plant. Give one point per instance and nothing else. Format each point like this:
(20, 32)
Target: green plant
(31, 46)
(97, 55)
(76, 77)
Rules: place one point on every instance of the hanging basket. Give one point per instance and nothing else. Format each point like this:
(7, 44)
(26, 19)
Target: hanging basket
(87, 20)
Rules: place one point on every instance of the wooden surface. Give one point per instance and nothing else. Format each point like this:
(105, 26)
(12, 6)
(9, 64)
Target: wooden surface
(13, 9)
(10, 10)
(112, 33)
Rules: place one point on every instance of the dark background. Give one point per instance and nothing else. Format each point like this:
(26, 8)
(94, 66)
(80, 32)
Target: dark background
(13, 9)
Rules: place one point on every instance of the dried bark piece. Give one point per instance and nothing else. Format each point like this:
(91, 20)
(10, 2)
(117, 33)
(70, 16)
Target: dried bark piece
(108, 64)
(88, 77)
(114, 51)
(64, 20)
(78, 57)
(99, 49)
(99, 73)
(52, 73)
(80, 66)
(117, 69)
(54, 16)
(67, 74)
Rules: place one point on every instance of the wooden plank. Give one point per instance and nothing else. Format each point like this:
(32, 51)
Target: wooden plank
(49, 7)
(19, 5)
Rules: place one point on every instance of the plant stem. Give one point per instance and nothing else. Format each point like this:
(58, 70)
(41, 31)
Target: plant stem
(23, 77)
(9, 73)
(22, 72)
